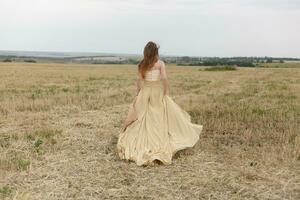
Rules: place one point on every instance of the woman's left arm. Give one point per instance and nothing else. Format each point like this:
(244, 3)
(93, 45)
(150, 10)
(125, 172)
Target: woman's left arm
(139, 83)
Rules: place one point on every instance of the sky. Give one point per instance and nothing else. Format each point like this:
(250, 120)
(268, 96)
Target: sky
(181, 27)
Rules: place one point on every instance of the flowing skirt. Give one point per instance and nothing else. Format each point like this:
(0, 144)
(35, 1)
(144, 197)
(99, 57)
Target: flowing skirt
(156, 127)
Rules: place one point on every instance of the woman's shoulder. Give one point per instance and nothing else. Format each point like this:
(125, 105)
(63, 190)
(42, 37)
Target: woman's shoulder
(160, 63)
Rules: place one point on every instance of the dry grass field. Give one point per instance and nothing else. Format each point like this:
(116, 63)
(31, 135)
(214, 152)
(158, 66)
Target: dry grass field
(59, 125)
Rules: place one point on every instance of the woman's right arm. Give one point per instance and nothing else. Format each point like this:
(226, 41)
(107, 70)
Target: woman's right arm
(164, 77)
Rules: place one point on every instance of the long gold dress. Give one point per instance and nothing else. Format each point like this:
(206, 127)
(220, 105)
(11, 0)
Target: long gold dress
(158, 127)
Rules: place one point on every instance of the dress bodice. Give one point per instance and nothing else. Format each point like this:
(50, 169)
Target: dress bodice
(153, 75)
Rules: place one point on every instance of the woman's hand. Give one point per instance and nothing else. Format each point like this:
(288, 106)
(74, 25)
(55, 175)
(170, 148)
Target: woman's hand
(137, 92)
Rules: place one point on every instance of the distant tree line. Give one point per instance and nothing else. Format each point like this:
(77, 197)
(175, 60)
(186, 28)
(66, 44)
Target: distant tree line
(218, 61)
(215, 61)
(221, 63)
(7, 60)
(10, 60)
(30, 61)
(178, 60)
(128, 61)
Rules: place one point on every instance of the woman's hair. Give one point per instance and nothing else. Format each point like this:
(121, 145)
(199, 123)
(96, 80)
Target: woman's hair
(150, 58)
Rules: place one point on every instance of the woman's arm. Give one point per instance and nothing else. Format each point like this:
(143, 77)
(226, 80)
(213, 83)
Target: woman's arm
(139, 83)
(164, 77)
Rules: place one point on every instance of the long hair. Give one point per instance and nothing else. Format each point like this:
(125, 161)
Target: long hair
(150, 58)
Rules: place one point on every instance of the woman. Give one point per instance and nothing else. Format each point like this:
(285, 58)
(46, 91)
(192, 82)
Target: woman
(155, 127)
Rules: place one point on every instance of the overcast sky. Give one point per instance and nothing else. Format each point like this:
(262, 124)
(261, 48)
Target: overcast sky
(181, 27)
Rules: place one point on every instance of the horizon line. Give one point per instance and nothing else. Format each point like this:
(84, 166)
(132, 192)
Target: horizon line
(130, 54)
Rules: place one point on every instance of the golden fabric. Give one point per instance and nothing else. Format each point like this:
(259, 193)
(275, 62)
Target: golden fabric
(157, 127)
(152, 75)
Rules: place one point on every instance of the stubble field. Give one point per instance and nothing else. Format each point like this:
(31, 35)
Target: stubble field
(59, 125)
